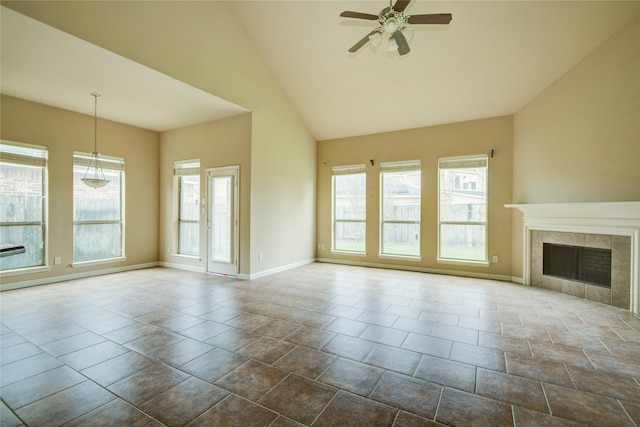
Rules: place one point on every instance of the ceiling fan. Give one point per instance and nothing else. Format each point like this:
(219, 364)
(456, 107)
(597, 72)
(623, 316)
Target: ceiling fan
(392, 20)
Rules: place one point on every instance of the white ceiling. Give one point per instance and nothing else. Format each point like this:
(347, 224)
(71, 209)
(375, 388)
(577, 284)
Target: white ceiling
(45, 65)
(492, 59)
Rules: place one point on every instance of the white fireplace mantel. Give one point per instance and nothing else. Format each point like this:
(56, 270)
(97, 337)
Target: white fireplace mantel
(613, 218)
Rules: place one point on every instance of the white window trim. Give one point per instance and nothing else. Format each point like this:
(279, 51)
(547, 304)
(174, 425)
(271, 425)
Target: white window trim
(463, 262)
(351, 253)
(186, 257)
(42, 160)
(402, 166)
(93, 262)
(479, 160)
(346, 170)
(182, 168)
(111, 163)
(401, 257)
(25, 270)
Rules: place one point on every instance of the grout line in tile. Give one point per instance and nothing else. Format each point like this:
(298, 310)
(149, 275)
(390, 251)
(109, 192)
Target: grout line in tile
(626, 413)
(276, 385)
(396, 418)
(284, 355)
(325, 407)
(435, 415)
(377, 384)
(589, 359)
(546, 398)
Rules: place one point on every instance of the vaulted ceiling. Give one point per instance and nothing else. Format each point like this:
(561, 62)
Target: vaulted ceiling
(491, 60)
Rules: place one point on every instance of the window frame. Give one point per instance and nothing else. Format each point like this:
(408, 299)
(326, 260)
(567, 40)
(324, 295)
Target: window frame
(108, 163)
(464, 162)
(37, 158)
(394, 167)
(181, 169)
(358, 169)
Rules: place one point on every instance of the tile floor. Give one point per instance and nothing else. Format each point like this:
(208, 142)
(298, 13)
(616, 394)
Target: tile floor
(321, 345)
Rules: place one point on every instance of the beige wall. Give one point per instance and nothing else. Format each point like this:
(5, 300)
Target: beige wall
(579, 140)
(427, 145)
(283, 192)
(204, 45)
(219, 143)
(64, 132)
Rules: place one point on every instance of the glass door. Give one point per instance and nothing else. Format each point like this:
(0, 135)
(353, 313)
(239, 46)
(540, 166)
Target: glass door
(222, 221)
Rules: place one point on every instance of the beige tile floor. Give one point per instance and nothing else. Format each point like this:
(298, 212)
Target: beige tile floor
(321, 345)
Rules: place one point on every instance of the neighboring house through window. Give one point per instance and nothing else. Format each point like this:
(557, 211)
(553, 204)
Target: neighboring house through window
(23, 204)
(462, 219)
(400, 199)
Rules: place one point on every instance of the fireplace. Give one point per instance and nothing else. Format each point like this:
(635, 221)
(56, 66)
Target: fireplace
(619, 247)
(608, 233)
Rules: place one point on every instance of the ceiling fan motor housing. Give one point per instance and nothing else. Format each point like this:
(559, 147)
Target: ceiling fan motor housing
(392, 21)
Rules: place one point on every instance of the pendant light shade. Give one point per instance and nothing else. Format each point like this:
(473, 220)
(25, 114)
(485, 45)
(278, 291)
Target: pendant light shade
(94, 175)
(407, 32)
(375, 38)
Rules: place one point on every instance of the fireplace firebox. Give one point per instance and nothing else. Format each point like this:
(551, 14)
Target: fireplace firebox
(577, 263)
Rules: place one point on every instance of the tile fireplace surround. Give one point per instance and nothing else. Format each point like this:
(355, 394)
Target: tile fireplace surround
(607, 225)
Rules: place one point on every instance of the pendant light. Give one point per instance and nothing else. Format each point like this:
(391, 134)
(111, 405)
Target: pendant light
(94, 175)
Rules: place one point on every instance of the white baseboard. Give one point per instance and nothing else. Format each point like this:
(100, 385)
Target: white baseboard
(518, 280)
(500, 277)
(182, 267)
(264, 273)
(253, 276)
(55, 279)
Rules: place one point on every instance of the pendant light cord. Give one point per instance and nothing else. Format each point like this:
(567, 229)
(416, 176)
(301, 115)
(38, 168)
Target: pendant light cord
(95, 122)
(94, 164)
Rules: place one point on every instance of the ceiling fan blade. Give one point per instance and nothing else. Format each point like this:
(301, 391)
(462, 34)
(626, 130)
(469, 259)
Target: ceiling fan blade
(363, 41)
(358, 15)
(434, 18)
(403, 46)
(401, 5)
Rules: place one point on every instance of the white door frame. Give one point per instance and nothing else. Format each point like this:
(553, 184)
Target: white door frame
(212, 266)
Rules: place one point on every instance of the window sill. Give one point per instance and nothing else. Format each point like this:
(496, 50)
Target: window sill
(186, 257)
(463, 262)
(97, 262)
(362, 254)
(26, 270)
(401, 257)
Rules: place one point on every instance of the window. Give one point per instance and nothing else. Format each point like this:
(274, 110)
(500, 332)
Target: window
(98, 229)
(23, 203)
(463, 209)
(187, 186)
(349, 208)
(400, 185)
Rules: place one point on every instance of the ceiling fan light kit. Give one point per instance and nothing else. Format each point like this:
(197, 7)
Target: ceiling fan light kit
(393, 21)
